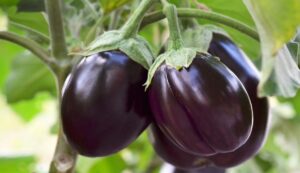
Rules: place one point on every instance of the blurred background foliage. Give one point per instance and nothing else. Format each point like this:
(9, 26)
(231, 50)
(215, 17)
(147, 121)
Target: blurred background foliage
(28, 110)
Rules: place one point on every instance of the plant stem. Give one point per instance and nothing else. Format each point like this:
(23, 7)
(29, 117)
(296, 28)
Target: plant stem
(29, 44)
(58, 43)
(216, 17)
(64, 159)
(131, 27)
(170, 11)
(30, 30)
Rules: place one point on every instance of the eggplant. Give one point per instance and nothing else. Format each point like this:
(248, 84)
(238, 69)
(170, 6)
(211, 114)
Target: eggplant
(104, 106)
(204, 109)
(202, 170)
(234, 58)
(170, 153)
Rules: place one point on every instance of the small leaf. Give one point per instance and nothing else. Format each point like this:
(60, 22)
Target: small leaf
(21, 164)
(276, 22)
(180, 58)
(158, 61)
(138, 50)
(175, 58)
(35, 21)
(280, 75)
(107, 41)
(28, 76)
(200, 37)
(8, 3)
(31, 5)
(110, 5)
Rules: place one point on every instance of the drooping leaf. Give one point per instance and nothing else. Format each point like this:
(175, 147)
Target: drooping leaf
(8, 3)
(280, 75)
(28, 76)
(277, 24)
(113, 163)
(11, 50)
(22, 164)
(34, 21)
(110, 5)
(31, 5)
(29, 109)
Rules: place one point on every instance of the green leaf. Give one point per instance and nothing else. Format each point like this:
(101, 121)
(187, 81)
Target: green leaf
(113, 163)
(237, 10)
(277, 24)
(22, 164)
(28, 77)
(280, 75)
(34, 21)
(31, 5)
(11, 50)
(200, 37)
(8, 3)
(138, 50)
(29, 109)
(110, 5)
(175, 58)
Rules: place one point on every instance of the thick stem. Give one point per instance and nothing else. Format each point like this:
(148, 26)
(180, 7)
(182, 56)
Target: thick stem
(58, 43)
(216, 17)
(170, 11)
(64, 159)
(31, 45)
(131, 27)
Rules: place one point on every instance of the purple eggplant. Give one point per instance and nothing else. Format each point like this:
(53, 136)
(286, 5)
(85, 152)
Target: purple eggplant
(104, 106)
(202, 170)
(170, 153)
(237, 61)
(204, 109)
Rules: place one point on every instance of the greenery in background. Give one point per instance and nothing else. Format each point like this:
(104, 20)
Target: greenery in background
(27, 83)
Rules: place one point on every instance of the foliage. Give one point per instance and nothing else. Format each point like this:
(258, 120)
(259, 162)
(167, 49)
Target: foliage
(26, 83)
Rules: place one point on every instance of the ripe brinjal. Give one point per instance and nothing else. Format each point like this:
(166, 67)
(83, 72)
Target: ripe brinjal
(202, 170)
(236, 60)
(170, 153)
(204, 109)
(104, 107)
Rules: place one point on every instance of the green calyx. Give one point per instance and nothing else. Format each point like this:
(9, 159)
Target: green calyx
(178, 59)
(136, 48)
(126, 39)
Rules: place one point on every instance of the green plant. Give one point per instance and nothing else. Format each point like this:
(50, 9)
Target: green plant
(61, 32)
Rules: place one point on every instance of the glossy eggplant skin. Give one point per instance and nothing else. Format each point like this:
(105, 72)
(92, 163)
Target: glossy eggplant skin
(237, 61)
(170, 153)
(104, 106)
(204, 109)
(202, 170)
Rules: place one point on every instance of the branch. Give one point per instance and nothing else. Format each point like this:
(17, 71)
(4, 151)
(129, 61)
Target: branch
(29, 44)
(58, 42)
(216, 17)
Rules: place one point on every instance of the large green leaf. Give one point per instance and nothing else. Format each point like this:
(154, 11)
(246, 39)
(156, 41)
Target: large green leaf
(34, 21)
(28, 76)
(11, 50)
(113, 163)
(29, 109)
(20, 164)
(8, 3)
(110, 5)
(31, 5)
(277, 23)
(237, 10)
